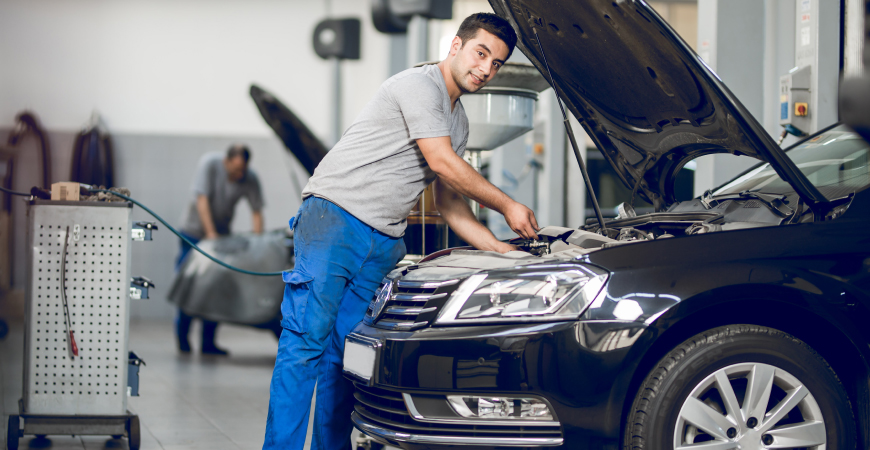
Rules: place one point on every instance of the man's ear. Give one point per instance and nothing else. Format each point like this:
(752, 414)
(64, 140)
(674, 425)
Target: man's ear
(455, 45)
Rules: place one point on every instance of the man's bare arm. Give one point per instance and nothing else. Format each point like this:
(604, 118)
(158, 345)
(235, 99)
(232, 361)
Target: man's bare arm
(205, 217)
(257, 217)
(466, 181)
(459, 216)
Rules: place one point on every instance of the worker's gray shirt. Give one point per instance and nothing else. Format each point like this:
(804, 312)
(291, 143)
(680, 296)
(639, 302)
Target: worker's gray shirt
(211, 180)
(376, 172)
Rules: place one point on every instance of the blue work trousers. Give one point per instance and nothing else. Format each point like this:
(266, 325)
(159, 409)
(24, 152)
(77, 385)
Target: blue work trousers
(340, 262)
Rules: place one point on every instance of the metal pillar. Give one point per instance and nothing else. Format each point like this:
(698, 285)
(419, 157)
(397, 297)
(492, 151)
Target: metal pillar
(730, 33)
(418, 40)
(398, 53)
(853, 39)
(336, 101)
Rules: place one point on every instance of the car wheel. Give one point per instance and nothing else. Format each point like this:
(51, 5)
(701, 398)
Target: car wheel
(741, 387)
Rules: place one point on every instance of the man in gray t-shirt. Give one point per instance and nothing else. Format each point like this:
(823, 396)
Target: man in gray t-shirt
(218, 185)
(348, 232)
(377, 171)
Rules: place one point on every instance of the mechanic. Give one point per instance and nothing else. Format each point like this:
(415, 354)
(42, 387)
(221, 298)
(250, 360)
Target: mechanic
(220, 182)
(348, 231)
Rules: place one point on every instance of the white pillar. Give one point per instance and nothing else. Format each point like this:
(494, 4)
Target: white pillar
(731, 37)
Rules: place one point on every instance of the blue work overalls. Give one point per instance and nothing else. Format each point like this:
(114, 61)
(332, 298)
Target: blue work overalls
(340, 262)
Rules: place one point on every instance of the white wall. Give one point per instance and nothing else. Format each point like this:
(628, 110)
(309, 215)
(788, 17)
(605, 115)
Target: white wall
(176, 67)
(171, 81)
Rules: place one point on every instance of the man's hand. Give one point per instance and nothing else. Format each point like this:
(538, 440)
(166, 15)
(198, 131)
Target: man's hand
(211, 235)
(522, 220)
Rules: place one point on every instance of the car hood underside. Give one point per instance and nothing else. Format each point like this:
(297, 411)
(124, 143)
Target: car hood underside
(645, 98)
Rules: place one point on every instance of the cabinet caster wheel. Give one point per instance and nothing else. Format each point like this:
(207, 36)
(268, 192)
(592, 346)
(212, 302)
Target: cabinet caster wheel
(133, 435)
(13, 433)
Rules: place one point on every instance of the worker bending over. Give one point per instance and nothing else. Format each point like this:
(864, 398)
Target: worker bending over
(220, 182)
(348, 231)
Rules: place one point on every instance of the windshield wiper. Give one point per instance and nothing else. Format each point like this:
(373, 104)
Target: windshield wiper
(776, 202)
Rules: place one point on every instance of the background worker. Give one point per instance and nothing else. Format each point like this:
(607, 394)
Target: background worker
(348, 231)
(220, 182)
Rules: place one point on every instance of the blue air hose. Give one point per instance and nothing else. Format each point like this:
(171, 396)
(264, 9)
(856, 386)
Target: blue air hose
(185, 239)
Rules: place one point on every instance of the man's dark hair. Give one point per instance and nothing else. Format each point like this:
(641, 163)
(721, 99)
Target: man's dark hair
(492, 23)
(239, 150)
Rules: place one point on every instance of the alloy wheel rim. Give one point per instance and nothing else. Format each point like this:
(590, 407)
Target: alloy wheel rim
(750, 406)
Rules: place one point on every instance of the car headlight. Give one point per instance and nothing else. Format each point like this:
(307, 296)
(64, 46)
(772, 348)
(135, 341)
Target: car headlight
(537, 293)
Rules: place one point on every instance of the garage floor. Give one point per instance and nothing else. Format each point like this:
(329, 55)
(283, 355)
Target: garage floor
(186, 402)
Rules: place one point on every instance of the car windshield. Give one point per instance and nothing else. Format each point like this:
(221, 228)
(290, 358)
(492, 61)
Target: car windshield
(834, 161)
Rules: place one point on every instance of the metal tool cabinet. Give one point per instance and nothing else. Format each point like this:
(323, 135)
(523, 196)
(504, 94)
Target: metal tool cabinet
(63, 393)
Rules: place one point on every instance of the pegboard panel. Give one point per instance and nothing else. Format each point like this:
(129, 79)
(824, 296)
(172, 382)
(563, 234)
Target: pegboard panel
(97, 280)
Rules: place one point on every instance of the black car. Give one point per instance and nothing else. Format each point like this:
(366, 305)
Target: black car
(737, 320)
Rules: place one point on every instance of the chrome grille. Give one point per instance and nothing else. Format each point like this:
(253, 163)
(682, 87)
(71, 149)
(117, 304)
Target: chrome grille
(409, 304)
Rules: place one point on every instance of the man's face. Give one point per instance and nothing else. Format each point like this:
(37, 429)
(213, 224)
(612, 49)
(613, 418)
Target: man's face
(476, 61)
(236, 167)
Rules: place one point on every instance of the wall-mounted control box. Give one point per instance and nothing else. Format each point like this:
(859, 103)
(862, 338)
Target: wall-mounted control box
(794, 98)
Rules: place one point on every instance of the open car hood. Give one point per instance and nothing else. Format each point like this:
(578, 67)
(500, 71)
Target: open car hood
(645, 98)
(292, 131)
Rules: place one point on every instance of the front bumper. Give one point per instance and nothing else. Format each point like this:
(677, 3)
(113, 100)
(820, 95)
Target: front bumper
(401, 439)
(580, 368)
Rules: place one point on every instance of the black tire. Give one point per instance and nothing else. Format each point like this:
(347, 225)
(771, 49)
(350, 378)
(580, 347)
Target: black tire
(657, 409)
(133, 435)
(116, 436)
(13, 433)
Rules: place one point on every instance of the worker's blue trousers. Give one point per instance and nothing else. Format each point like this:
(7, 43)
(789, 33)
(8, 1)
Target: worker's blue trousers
(340, 262)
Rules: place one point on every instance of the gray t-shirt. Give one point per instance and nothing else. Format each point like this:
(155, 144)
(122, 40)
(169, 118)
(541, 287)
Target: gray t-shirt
(211, 180)
(376, 172)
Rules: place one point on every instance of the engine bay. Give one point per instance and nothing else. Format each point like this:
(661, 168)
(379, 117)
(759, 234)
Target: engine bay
(696, 216)
(688, 218)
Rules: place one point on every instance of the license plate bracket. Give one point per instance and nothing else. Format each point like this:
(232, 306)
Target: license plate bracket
(360, 358)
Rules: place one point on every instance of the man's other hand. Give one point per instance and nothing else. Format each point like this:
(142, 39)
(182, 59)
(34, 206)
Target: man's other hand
(522, 220)
(211, 235)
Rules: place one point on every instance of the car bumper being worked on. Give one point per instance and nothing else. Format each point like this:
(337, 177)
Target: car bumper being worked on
(535, 385)
(398, 438)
